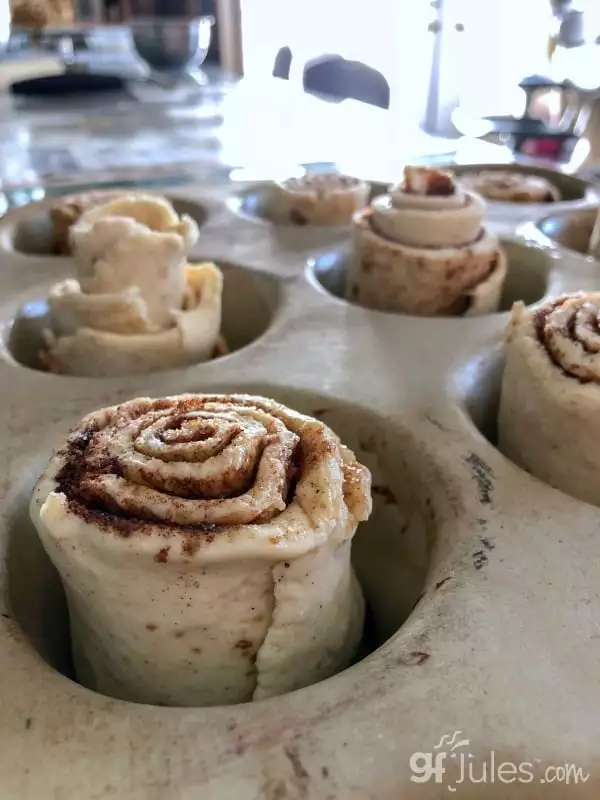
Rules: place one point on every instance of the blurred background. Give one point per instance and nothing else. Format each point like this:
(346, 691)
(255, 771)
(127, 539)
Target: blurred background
(207, 87)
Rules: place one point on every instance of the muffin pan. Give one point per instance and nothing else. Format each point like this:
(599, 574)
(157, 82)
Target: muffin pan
(576, 192)
(569, 230)
(528, 277)
(482, 582)
(250, 302)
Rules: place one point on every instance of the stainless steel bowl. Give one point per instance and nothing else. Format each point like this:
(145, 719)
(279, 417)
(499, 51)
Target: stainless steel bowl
(171, 44)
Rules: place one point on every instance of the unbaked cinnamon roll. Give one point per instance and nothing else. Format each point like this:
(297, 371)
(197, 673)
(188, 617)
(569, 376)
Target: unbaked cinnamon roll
(67, 210)
(316, 199)
(549, 419)
(204, 546)
(136, 305)
(422, 249)
(511, 186)
(154, 211)
(594, 243)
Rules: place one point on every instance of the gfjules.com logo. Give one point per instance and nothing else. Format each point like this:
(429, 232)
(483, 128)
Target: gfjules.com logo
(451, 756)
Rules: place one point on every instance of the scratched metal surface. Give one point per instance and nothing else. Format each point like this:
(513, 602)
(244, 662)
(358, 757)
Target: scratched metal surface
(482, 582)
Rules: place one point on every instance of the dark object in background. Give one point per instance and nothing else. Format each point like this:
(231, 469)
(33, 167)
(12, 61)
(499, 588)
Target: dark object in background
(171, 44)
(67, 84)
(552, 147)
(160, 8)
(535, 138)
(208, 8)
(184, 9)
(111, 10)
(283, 64)
(340, 79)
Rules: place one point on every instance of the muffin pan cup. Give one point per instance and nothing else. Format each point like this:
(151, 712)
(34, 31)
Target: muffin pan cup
(570, 231)
(576, 192)
(482, 582)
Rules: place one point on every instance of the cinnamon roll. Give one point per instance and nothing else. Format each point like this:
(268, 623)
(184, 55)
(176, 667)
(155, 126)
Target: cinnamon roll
(594, 242)
(154, 211)
(316, 199)
(422, 249)
(549, 420)
(510, 186)
(66, 211)
(136, 305)
(204, 546)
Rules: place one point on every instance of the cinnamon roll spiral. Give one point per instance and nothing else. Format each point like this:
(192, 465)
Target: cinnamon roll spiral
(508, 186)
(422, 249)
(316, 199)
(549, 419)
(204, 545)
